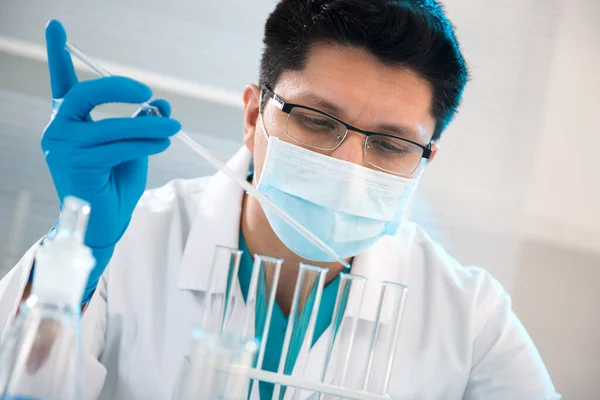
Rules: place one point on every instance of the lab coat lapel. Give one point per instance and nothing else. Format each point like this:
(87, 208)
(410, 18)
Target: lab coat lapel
(387, 261)
(216, 222)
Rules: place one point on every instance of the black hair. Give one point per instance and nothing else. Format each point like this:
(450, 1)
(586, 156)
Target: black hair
(413, 34)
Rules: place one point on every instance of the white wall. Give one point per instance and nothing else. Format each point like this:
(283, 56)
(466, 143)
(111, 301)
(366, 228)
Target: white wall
(556, 296)
(556, 293)
(563, 204)
(476, 188)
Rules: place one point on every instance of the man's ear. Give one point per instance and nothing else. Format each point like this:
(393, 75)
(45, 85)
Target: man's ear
(251, 98)
(435, 147)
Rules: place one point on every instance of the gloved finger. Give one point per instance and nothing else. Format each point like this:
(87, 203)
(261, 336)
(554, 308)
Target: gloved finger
(110, 155)
(83, 97)
(60, 64)
(164, 108)
(117, 129)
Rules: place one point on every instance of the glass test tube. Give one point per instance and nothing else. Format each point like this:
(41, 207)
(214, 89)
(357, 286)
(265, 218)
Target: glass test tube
(219, 301)
(366, 366)
(235, 369)
(261, 300)
(385, 337)
(343, 329)
(308, 292)
(218, 368)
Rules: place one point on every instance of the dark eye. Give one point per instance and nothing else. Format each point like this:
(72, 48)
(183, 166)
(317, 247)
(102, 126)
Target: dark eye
(389, 146)
(314, 122)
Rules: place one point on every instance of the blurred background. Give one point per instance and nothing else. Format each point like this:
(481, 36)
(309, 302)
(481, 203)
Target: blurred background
(515, 188)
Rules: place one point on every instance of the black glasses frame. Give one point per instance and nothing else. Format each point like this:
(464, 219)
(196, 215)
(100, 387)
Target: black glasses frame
(288, 107)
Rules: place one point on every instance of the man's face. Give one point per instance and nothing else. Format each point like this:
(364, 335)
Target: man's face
(353, 86)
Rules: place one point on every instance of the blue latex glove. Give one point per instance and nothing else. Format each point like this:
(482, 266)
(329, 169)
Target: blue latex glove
(103, 162)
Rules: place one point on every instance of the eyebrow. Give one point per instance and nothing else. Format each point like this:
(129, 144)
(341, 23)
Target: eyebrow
(320, 103)
(401, 131)
(329, 107)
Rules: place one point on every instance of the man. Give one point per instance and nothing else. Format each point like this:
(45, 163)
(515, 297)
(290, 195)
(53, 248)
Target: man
(353, 98)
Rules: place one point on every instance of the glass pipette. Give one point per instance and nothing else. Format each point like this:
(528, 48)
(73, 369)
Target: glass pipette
(218, 164)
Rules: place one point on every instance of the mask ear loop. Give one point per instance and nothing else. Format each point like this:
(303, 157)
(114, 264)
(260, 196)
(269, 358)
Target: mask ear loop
(403, 206)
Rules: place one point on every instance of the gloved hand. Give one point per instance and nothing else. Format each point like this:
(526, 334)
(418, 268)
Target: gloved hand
(103, 162)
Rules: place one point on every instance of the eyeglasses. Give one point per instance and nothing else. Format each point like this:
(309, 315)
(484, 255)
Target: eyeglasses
(319, 130)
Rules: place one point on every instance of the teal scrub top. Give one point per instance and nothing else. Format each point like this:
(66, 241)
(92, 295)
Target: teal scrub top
(279, 321)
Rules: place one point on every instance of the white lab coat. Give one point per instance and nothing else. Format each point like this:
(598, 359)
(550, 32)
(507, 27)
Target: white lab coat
(459, 339)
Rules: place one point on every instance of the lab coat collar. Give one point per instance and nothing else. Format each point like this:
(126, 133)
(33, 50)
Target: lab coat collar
(386, 261)
(217, 222)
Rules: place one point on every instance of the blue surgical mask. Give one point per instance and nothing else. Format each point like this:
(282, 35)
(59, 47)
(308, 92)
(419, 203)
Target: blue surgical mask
(346, 205)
